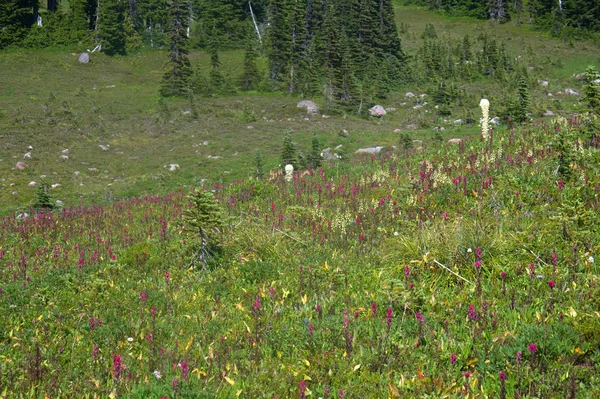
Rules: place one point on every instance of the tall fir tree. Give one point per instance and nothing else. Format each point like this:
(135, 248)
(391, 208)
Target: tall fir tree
(16, 17)
(176, 81)
(111, 29)
(250, 73)
(279, 40)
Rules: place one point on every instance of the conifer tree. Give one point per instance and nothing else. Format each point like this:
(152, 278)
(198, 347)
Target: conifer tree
(202, 222)
(258, 165)
(16, 17)
(43, 200)
(592, 90)
(176, 81)
(111, 28)
(279, 41)
(315, 159)
(518, 109)
(217, 80)
(289, 153)
(250, 74)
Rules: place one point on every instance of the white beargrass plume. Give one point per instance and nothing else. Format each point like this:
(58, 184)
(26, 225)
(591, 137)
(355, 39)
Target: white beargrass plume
(485, 121)
(289, 172)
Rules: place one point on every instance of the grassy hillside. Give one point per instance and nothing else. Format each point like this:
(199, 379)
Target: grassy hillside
(52, 103)
(430, 270)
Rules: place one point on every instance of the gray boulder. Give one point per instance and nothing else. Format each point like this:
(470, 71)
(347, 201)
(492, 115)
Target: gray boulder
(371, 150)
(377, 111)
(311, 107)
(84, 58)
(548, 113)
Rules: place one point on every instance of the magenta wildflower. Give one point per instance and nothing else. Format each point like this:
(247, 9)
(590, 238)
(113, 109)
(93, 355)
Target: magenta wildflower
(303, 389)
(388, 318)
(185, 369)
(551, 284)
(519, 354)
(472, 315)
(373, 308)
(256, 304)
(502, 376)
(311, 328)
(532, 348)
(419, 317)
(95, 352)
(406, 271)
(503, 275)
(340, 394)
(118, 366)
(478, 264)
(453, 359)
(467, 375)
(153, 311)
(143, 296)
(554, 259)
(326, 392)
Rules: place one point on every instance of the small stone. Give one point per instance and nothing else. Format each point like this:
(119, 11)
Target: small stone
(377, 111)
(93, 170)
(370, 150)
(409, 95)
(250, 127)
(397, 130)
(548, 113)
(27, 155)
(459, 122)
(32, 184)
(20, 166)
(65, 151)
(64, 156)
(571, 92)
(311, 107)
(543, 82)
(56, 185)
(454, 141)
(173, 167)
(104, 147)
(412, 126)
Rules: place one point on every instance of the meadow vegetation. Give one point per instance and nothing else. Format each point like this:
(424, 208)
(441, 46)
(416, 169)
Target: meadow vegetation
(431, 269)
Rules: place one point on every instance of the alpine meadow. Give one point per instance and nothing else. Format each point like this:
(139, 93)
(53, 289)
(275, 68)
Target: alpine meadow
(299, 199)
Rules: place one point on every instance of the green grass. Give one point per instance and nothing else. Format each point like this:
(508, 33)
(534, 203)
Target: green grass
(52, 103)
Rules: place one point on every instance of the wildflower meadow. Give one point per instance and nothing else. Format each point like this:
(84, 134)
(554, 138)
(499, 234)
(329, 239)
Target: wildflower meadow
(448, 270)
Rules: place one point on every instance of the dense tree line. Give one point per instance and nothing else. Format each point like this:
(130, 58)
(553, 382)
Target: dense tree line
(558, 16)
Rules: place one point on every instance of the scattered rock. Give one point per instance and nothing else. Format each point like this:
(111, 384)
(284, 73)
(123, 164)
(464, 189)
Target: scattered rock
(391, 109)
(173, 167)
(186, 112)
(371, 150)
(344, 133)
(418, 141)
(438, 128)
(84, 58)
(339, 147)
(105, 147)
(30, 148)
(59, 203)
(76, 173)
(32, 184)
(409, 95)
(495, 120)
(22, 215)
(205, 143)
(377, 111)
(311, 107)
(412, 126)
(27, 155)
(418, 106)
(213, 157)
(459, 122)
(543, 82)
(56, 185)
(64, 156)
(110, 87)
(93, 170)
(325, 116)
(250, 127)
(597, 81)
(20, 166)
(550, 95)
(548, 113)
(454, 141)
(571, 92)
(65, 151)
(328, 155)
(579, 76)
(397, 130)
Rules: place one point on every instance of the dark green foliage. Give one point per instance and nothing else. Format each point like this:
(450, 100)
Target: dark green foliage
(429, 32)
(519, 108)
(405, 141)
(202, 222)
(289, 152)
(43, 200)
(111, 29)
(176, 81)
(258, 165)
(592, 90)
(314, 158)
(250, 74)
(217, 80)
(16, 17)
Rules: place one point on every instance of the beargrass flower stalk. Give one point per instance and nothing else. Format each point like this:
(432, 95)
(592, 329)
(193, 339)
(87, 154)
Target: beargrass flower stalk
(485, 120)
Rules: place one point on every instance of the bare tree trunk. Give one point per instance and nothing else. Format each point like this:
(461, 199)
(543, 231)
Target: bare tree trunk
(255, 24)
